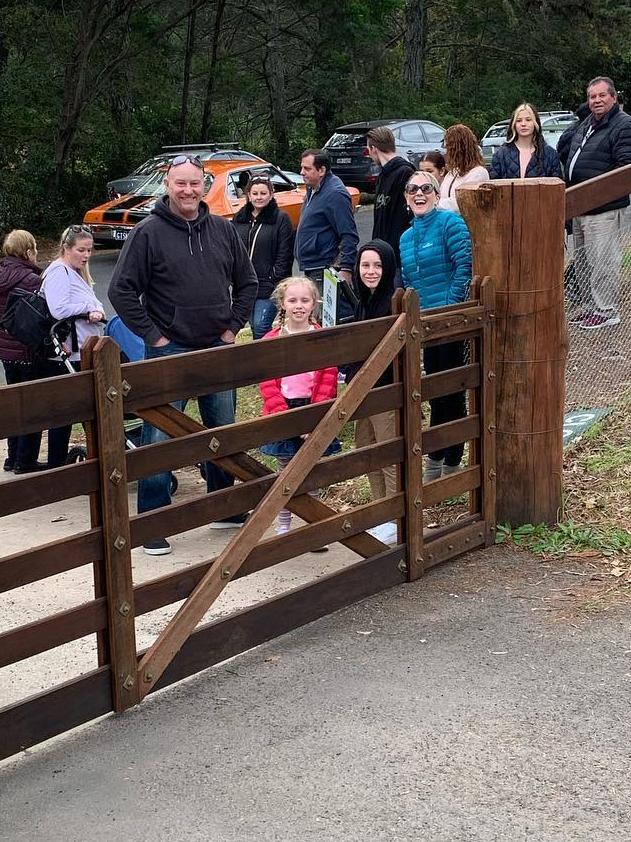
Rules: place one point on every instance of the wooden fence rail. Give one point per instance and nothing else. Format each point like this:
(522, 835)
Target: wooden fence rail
(105, 390)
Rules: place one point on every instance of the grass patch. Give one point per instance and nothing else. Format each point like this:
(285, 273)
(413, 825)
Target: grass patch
(567, 538)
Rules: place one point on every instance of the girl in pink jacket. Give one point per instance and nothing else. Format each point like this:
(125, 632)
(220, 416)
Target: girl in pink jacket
(296, 299)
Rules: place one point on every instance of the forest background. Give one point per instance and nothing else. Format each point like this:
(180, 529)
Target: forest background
(91, 88)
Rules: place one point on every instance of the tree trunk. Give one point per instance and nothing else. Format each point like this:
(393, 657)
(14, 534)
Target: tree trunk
(188, 61)
(273, 69)
(415, 42)
(214, 60)
(76, 94)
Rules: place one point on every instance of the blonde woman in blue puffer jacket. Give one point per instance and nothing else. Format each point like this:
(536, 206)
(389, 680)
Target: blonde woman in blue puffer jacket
(436, 262)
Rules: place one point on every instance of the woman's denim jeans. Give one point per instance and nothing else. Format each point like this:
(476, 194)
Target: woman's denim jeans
(216, 411)
(263, 316)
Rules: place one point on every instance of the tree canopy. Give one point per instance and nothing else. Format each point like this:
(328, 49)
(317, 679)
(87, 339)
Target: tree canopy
(90, 88)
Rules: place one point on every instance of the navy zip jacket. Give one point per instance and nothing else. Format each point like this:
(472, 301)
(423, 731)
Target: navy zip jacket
(607, 148)
(327, 227)
(543, 164)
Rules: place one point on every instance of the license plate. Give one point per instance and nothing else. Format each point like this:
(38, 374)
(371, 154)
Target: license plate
(120, 234)
(343, 161)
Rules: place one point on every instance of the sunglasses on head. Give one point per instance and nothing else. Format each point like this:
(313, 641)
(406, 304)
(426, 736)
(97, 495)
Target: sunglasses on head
(413, 189)
(186, 159)
(77, 229)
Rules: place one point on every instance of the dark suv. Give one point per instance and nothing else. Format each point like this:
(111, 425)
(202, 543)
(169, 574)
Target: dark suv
(348, 148)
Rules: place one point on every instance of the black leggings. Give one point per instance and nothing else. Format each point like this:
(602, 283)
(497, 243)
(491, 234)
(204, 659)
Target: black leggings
(59, 437)
(450, 407)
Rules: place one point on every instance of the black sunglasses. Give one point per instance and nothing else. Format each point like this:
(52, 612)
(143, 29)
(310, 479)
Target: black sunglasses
(77, 229)
(412, 189)
(186, 159)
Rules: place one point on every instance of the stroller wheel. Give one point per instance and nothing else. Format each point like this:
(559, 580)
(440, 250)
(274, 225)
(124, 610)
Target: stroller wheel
(174, 484)
(76, 454)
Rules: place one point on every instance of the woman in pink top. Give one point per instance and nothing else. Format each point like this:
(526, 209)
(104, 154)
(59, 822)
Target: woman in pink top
(465, 165)
(296, 299)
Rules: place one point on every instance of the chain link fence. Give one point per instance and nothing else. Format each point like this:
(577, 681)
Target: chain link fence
(598, 310)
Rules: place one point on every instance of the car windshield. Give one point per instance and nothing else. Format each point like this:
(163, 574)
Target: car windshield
(496, 131)
(154, 185)
(346, 139)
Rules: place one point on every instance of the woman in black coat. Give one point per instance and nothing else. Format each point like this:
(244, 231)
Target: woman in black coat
(18, 270)
(268, 236)
(525, 153)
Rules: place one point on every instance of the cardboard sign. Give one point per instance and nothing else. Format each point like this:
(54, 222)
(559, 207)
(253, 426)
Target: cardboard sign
(329, 298)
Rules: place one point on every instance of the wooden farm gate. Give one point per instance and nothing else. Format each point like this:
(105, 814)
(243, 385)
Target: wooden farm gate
(104, 390)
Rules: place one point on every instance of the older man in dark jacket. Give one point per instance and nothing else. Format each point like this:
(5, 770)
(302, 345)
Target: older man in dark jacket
(601, 144)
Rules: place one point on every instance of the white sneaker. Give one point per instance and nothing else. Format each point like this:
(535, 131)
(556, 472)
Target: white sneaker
(385, 532)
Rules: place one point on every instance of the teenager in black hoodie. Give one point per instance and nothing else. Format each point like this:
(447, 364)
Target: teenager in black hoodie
(374, 285)
(391, 215)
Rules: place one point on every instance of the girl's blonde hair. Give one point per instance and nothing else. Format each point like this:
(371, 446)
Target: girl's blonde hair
(511, 133)
(278, 296)
(18, 242)
(69, 238)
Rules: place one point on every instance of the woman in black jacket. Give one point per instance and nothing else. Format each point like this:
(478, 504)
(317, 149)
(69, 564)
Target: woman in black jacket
(525, 153)
(373, 282)
(269, 239)
(18, 270)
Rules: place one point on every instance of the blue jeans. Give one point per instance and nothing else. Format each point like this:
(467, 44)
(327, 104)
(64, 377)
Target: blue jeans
(263, 316)
(215, 410)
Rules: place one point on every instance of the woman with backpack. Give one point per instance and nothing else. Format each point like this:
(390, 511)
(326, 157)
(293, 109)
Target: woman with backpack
(19, 270)
(67, 288)
(267, 234)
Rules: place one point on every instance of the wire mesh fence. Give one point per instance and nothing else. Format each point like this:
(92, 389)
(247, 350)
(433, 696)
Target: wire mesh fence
(598, 309)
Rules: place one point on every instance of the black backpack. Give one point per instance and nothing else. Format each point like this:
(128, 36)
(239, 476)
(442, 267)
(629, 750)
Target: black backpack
(28, 319)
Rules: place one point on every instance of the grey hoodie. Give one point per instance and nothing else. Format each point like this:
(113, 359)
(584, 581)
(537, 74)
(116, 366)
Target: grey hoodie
(195, 278)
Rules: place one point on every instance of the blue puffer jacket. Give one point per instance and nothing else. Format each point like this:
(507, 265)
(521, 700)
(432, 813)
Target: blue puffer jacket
(505, 163)
(436, 258)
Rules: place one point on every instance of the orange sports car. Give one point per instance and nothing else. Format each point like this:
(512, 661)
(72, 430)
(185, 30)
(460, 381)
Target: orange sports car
(112, 221)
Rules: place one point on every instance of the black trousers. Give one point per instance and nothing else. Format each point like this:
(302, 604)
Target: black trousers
(23, 450)
(450, 407)
(59, 437)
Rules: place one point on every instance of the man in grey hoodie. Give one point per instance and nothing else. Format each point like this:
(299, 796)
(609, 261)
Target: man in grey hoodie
(183, 282)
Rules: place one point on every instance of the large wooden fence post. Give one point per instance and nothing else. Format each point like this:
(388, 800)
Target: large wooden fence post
(517, 232)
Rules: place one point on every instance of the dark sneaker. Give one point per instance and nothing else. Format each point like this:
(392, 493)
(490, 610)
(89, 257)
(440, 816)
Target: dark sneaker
(321, 550)
(579, 317)
(234, 522)
(158, 547)
(29, 469)
(595, 321)
(9, 465)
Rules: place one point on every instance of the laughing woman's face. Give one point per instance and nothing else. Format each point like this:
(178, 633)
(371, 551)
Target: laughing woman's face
(420, 195)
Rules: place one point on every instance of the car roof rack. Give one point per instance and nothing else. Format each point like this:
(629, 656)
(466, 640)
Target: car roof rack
(214, 147)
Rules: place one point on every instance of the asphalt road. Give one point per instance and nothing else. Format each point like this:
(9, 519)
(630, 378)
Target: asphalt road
(466, 707)
(103, 261)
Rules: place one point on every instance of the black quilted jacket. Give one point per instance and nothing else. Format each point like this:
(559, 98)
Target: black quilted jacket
(505, 163)
(606, 149)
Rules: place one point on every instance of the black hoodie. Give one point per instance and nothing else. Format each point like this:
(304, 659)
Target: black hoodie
(269, 240)
(377, 303)
(195, 278)
(391, 212)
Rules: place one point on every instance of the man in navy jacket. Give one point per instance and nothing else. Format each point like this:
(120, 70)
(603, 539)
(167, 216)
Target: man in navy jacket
(601, 143)
(326, 234)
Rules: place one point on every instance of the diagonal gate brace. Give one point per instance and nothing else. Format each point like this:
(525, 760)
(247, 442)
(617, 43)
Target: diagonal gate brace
(228, 562)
